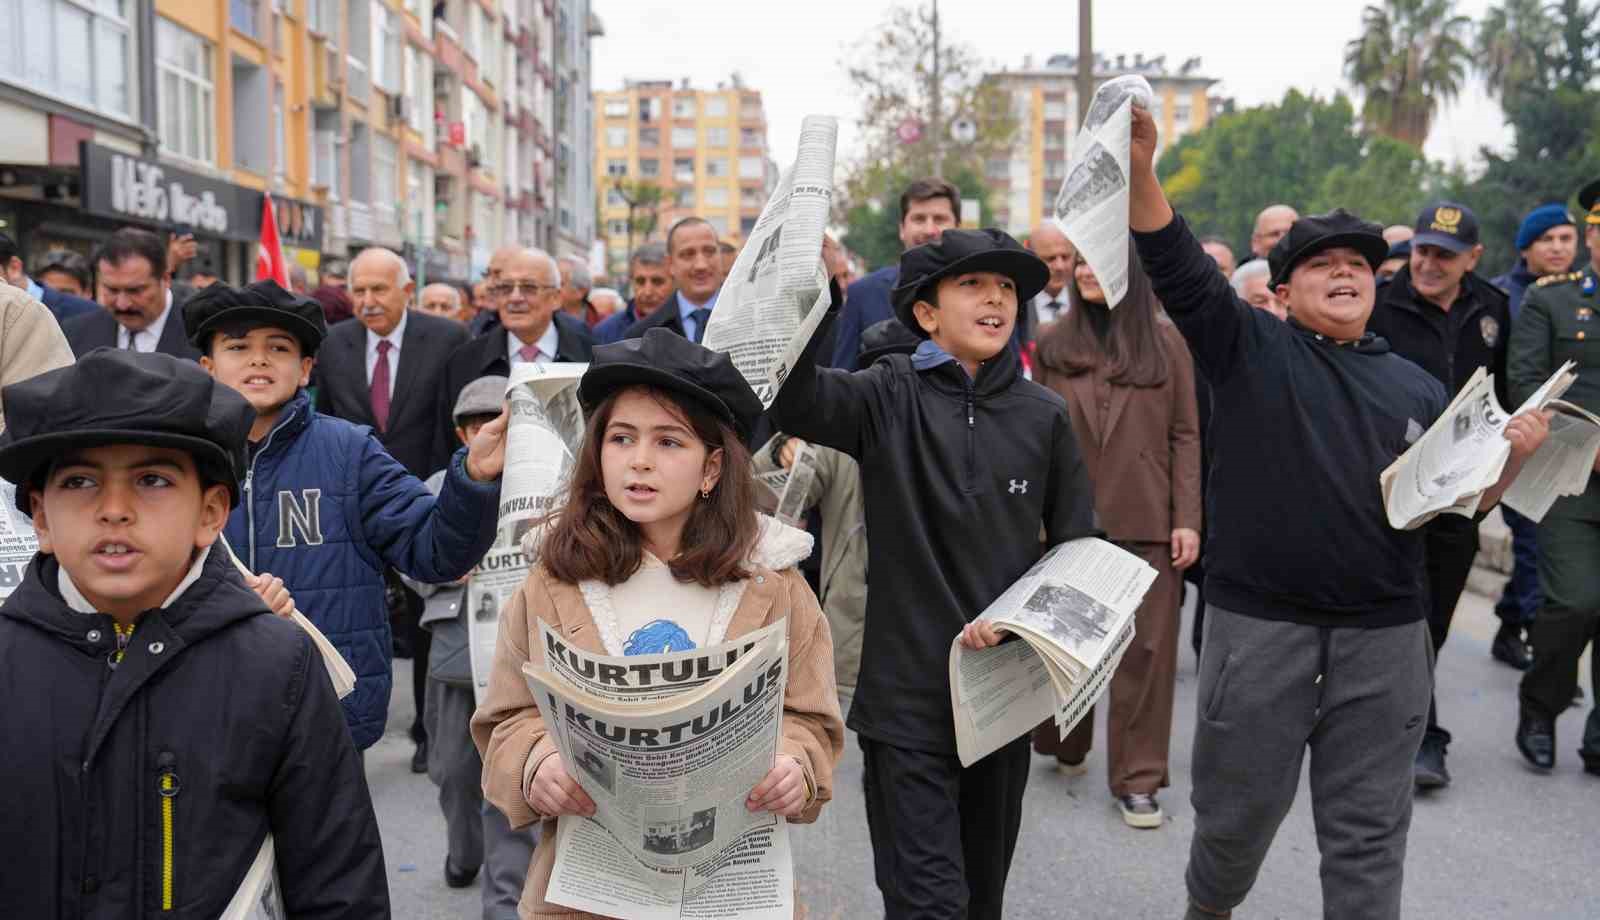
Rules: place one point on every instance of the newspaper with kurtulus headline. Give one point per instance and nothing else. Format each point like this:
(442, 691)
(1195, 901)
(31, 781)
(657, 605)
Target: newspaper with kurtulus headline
(668, 746)
(1092, 206)
(776, 294)
(1072, 618)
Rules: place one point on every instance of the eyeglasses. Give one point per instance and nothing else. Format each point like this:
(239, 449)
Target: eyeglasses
(531, 288)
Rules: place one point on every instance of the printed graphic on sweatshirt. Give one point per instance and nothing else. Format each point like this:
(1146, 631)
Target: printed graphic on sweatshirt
(658, 637)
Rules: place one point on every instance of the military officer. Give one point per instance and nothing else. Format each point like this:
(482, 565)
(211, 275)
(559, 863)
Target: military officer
(1560, 321)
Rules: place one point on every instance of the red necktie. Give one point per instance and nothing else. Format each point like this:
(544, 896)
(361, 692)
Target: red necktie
(380, 386)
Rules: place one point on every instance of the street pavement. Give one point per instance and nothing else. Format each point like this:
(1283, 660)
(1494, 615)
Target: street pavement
(1500, 842)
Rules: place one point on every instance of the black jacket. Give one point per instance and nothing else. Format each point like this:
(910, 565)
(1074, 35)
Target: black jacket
(99, 329)
(1449, 345)
(486, 356)
(1301, 428)
(668, 316)
(958, 476)
(414, 435)
(221, 715)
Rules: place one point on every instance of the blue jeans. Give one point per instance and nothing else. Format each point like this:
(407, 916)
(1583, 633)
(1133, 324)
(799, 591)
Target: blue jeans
(1522, 597)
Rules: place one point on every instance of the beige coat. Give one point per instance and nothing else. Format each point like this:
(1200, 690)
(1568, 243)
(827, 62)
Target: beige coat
(30, 340)
(509, 730)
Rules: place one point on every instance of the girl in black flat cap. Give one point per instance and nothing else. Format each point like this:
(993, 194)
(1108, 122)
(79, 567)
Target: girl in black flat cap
(658, 548)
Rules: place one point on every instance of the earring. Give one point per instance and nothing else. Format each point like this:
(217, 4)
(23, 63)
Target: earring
(705, 493)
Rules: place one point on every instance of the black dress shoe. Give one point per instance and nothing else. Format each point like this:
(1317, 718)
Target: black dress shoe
(1577, 697)
(419, 760)
(1536, 739)
(1430, 772)
(1509, 648)
(458, 878)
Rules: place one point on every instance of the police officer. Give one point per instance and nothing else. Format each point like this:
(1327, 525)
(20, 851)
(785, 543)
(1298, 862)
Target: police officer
(1440, 314)
(1559, 323)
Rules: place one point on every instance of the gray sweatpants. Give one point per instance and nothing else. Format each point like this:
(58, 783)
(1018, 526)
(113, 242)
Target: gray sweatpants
(478, 834)
(1358, 698)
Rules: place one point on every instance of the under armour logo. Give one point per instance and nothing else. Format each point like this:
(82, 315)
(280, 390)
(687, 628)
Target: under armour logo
(1018, 486)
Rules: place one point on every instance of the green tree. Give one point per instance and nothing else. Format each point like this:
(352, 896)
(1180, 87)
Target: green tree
(1516, 45)
(1411, 56)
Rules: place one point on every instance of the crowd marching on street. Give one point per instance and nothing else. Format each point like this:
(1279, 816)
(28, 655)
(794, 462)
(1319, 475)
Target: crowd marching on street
(204, 462)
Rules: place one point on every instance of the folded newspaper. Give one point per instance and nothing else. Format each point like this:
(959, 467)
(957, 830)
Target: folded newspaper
(258, 896)
(668, 746)
(776, 294)
(18, 543)
(787, 492)
(1092, 206)
(543, 438)
(1464, 453)
(339, 671)
(1072, 616)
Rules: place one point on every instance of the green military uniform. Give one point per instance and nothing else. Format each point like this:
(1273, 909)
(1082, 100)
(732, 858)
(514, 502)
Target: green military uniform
(1560, 322)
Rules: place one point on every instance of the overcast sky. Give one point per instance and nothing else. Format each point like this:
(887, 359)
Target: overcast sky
(794, 52)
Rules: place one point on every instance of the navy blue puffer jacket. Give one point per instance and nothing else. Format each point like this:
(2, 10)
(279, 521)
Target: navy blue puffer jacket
(327, 509)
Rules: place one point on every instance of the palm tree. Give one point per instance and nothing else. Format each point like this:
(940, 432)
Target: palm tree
(1411, 56)
(1515, 47)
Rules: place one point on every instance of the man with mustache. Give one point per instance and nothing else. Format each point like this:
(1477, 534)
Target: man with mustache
(1437, 312)
(131, 284)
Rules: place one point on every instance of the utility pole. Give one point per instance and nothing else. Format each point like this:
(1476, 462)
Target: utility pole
(935, 123)
(1085, 60)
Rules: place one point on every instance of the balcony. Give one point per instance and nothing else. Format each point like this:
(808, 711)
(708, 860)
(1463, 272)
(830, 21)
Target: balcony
(361, 223)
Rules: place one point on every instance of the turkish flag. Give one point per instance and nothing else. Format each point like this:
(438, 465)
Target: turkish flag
(270, 263)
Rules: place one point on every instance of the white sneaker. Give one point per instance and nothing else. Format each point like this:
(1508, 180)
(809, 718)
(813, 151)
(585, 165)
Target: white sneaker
(1140, 810)
(1081, 768)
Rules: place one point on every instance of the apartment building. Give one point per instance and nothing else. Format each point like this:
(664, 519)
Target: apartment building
(706, 150)
(435, 127)
(1044, 102)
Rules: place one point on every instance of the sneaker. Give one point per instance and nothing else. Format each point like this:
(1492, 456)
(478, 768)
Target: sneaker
(1509, 648)
(1068, 768)
(1430, 772)
(1140, 810)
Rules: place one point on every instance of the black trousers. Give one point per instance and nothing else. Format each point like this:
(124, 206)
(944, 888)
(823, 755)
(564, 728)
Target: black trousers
(1450, 545)
(421, 643)
(1569, 547)
(943, 835)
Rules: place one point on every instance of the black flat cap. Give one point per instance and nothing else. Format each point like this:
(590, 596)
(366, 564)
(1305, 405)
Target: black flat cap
(957, 252)
(1317, 232)
(664, 359)
(119, 396)
(1589, 200)
(218, 306)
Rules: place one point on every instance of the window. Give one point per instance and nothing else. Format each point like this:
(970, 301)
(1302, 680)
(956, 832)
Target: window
(187, 100)
(616, 137)
(419, 202)
(74, 50)
(325, 151)
(749, 137)
(385, 177)
(419, 89)
(715, 196)
(752, 168)
(750, 109)
(358, 57)
(683, 169)
(1055, 108)
(360, 186)
(683, 138)
(616, 167)
(649, 137)
(650, 109)
(747, 225)
(243, 16)
(1180, 113)
(252, 111)
(716, 167)
(322, 17)
(1055, 169)
(719, 225)
(617, 227)
(388, 37)
(997, 168)
(474, 36)
(684, 197)
(650, 168)
(683, 107)
(616, 108)
(751, 197)
(614, 198)
(716, 137)
(716, 107)
(279, 148)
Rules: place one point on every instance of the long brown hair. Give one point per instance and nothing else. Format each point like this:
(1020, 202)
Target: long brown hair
(1132, 349)
(589, 538)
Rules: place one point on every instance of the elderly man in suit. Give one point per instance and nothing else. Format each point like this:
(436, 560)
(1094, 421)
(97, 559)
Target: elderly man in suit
(60, 303)
(131, 284)
(695, 264)
(382, 368)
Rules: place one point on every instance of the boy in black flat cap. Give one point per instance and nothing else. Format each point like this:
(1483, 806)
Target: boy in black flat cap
(962, 461)
(1315, 633)
(163, 720)
(325, 507)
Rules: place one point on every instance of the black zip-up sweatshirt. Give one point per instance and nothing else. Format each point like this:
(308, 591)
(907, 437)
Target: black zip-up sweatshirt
(1301, 428)
(958, 476)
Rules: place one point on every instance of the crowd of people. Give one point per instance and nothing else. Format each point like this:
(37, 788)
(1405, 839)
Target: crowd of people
(344, 442)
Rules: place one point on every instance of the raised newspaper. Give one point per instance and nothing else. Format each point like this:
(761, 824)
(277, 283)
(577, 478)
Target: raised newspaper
(1072, 615)
(1464, 453)
(543, 437)
(258, 897)
(18, 543)
(668, 746)
(787, 492)
(777, 292)
(1092, 206)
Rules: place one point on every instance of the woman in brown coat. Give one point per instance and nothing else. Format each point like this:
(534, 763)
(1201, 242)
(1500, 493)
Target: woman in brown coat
(1128, 381)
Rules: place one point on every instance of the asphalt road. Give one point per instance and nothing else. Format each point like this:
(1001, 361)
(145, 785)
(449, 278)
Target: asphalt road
(1501, 842)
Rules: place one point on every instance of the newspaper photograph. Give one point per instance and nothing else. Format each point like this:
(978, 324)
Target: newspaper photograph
(258, 897)
(18, 543)
(1463, 454)
(1092, 206)
(776, 294)
(796, 494)
(1561, 466)
(1073, 617)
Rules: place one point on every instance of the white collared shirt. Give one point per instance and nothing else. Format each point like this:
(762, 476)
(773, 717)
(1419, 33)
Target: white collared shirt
(76, 601)
(547, 345)
(146, 339)
(393, 338)
(1047, 309)
(686, 308)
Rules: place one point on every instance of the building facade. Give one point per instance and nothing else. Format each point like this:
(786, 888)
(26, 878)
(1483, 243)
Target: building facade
(705, 150)
(434, 127)
(1044, 102)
